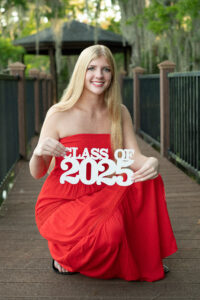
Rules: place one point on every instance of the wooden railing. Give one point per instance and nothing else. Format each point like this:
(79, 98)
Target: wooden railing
(24, 102)
(166, 113)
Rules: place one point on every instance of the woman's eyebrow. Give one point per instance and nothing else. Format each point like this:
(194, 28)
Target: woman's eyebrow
(92, 65)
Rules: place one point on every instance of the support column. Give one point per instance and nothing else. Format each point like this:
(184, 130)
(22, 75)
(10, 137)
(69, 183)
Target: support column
(165, 68)
(136, 97)
(54, 74)
(127, 55)
(34, 73)
(49, 91)
(43, 76)
(18, 69)
(121, 76)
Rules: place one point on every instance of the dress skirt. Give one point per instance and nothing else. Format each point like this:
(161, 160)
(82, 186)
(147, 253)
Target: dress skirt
(105, 231)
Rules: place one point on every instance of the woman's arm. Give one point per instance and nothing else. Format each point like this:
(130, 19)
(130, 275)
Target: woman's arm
(143, 166)
(47, 147)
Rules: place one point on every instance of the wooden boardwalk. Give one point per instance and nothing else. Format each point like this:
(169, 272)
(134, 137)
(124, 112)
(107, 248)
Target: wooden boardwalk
(25, 264)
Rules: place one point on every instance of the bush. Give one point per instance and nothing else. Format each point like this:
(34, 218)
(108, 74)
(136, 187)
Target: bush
(9, 53)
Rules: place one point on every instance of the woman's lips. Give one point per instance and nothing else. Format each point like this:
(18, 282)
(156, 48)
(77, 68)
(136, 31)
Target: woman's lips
(98, 83)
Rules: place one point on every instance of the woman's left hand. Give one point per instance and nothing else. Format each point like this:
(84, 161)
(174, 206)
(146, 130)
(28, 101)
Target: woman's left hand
(149, 170)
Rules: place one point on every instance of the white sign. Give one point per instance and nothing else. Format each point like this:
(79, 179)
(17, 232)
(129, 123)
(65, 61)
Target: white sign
(89, 157)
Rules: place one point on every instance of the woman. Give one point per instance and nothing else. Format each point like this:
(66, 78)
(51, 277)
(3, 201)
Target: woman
(103, 230)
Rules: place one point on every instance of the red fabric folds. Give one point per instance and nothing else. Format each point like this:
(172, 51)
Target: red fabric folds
(105, 231)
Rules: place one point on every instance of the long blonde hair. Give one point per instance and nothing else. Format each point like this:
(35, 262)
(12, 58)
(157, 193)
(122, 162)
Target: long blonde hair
(112, 96)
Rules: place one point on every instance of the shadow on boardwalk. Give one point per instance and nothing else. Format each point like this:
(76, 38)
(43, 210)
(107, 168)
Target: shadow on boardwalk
(25, 264)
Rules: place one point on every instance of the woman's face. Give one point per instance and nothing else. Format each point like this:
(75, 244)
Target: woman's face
(98, 76)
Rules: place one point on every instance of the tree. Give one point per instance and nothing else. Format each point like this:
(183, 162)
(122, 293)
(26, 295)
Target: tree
(8, 11)
(135, 32)
(176, 25)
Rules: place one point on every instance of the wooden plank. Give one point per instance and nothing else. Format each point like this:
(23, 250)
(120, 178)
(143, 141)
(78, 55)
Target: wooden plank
(25, 262)
(98, 288)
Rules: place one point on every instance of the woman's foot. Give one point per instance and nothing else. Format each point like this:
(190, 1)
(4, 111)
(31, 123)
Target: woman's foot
(166, 269)
(59, 269)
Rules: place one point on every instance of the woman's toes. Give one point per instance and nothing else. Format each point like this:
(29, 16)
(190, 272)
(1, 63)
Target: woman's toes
(56, 264)
(63, 270)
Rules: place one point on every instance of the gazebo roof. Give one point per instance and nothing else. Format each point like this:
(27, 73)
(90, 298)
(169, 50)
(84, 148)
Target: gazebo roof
(75, 37)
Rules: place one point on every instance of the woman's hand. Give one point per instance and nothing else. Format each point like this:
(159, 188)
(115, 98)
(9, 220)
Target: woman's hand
(149, 170)
(50, 147)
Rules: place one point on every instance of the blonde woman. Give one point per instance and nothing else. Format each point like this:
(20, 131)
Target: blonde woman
(101, 218)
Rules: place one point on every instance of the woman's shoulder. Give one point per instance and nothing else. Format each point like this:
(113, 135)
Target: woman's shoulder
(55, 113)
(63, 121)
(55, 118)
(126, 116)
(124, 109)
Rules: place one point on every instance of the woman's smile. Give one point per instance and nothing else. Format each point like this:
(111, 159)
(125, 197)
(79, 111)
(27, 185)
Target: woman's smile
(98, 83)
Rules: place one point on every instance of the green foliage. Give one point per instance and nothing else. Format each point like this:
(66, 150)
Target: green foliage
(114, 26)
(9, 53)
(30, 26)
(176, 29)
(40, 62)
(161, 17)
(8, 4)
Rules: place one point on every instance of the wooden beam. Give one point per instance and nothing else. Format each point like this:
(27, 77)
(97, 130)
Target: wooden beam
(53, 74)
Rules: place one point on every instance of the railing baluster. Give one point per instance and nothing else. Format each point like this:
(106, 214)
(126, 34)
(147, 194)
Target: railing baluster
(187, 119)
(198, 124)
(181, 117)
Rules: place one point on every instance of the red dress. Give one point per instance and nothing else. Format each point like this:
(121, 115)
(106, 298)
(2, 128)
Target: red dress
(105, 231)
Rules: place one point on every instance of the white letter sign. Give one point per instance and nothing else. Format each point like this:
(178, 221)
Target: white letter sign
(99, 173)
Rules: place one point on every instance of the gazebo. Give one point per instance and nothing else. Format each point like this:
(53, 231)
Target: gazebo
(75, 37)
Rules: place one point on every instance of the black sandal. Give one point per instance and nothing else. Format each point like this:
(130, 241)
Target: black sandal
(62, 273)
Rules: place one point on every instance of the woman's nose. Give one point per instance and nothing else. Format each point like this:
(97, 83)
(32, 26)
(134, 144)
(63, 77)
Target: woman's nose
(99, 73)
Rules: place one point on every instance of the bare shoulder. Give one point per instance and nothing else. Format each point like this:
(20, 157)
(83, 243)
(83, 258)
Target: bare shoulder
(126, 118)
(130, 140)
(50, 125)
(129, 137)
(65, 122)
(57, 117)
(53, 112)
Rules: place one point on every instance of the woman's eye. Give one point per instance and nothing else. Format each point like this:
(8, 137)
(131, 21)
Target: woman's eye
(90, 68)
(107, 69)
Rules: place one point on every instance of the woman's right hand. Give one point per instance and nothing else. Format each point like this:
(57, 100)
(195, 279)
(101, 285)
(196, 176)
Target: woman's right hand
(49, 146)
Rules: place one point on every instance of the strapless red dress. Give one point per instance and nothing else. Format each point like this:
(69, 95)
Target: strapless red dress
(105, 231)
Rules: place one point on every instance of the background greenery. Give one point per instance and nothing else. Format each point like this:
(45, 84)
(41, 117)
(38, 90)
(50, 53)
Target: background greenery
(156, 30)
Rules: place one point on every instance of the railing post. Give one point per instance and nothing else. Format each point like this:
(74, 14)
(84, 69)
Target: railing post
(35, 74)
(18, 69)
(165, 68)
(136, 97)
